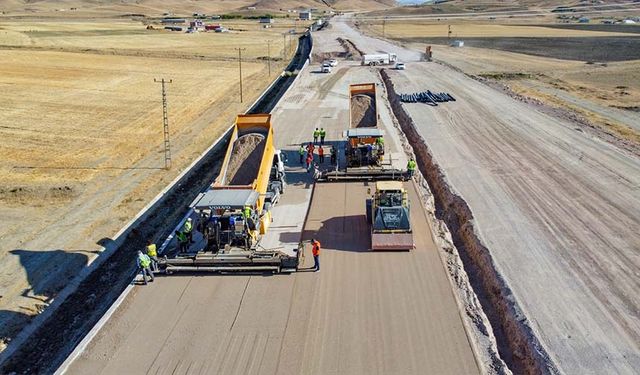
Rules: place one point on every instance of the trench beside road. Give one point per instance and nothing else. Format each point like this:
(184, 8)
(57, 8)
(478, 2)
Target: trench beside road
(56, 336)
(517, 344)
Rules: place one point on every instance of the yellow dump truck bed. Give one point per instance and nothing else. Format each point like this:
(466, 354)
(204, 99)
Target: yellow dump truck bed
(249, 157)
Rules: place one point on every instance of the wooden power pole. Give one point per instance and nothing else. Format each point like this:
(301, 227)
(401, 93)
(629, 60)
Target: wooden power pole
(165, 122)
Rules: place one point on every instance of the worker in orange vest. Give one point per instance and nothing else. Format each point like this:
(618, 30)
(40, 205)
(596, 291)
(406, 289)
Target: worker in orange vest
(321, 154)
(316, 254)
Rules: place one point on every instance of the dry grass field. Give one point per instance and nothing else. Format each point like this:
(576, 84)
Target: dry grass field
(605, 93)
(425, 29)
(82, 148)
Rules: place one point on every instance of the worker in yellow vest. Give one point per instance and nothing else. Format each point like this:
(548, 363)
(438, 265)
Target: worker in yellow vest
(316, 134)
(411, 167)
(183, 241)
(144, 264)
(152, 252)
(187, 229)
(323, 133)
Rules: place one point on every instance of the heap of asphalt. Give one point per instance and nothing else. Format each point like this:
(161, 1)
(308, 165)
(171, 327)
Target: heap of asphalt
(53, 341)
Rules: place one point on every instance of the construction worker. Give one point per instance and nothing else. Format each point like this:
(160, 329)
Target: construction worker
(144, 264)
(246, 213)
(309, 161)
(187, 229)
(323, 133)
(315, 249)
(152, 252)
(316, 134)
(310, 148)
(321, 154)
(301, 151)
(183, 241)
(333, 156)
(411, 167)
(380, 144)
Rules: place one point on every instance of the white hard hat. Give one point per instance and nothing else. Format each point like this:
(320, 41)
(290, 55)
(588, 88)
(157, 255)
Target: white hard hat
(189, 219)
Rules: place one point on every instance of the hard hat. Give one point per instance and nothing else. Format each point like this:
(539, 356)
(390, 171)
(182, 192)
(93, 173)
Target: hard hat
(189, 219)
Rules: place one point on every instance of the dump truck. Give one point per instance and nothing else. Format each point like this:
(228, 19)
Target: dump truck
(235, 212)
(388, 216)
(379, 59)
(365, 144)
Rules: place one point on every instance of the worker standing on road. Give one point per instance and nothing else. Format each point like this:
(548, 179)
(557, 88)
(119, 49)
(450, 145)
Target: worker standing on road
(309, 161)
(323, 133)
(187, 229)
(144, 263)
(316, 134)
(333, 155)
(315, 249)
(321, 154)
(152, 252)
(310, 148)
(411, 167)
(183, 241)
(301, 151)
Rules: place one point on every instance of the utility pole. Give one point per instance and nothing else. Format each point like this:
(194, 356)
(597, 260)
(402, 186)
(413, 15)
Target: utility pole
(284, 46)
(240, 69)
(165, 122)
(384, 23)
(269, 56)
(449, 34)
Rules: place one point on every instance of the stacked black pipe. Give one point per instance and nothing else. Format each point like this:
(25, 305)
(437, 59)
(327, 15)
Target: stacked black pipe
(427, 97)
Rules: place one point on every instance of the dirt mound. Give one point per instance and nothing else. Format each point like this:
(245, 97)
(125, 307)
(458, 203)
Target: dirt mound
(245, 159)
(351, 51)
(363, 111)
(322, 56)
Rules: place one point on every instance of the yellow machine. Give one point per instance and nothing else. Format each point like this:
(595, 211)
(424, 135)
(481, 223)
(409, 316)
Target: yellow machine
(388, 213)
(236, 209)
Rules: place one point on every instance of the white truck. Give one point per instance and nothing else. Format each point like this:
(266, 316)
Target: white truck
(379, 59)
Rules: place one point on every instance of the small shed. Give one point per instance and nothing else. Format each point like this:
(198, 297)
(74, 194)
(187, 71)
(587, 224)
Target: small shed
(457, 43)
(583, 20)
(266, 20)
(305, 15)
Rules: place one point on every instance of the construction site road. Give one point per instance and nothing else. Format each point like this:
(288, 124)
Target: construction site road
(363, 313)
(558, 210)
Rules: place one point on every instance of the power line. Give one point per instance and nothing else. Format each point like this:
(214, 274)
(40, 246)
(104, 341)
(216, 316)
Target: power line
(165, 122)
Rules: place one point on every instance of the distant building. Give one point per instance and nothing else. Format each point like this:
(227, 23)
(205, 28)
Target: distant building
(457, 43)
(305, 15)
(173, 20)
(266, 20)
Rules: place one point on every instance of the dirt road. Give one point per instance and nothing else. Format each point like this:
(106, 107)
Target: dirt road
(363, 313)
(557, 209)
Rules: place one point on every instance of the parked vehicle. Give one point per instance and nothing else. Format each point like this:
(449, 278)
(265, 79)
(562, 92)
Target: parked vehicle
(400, 66)
(379, 59)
